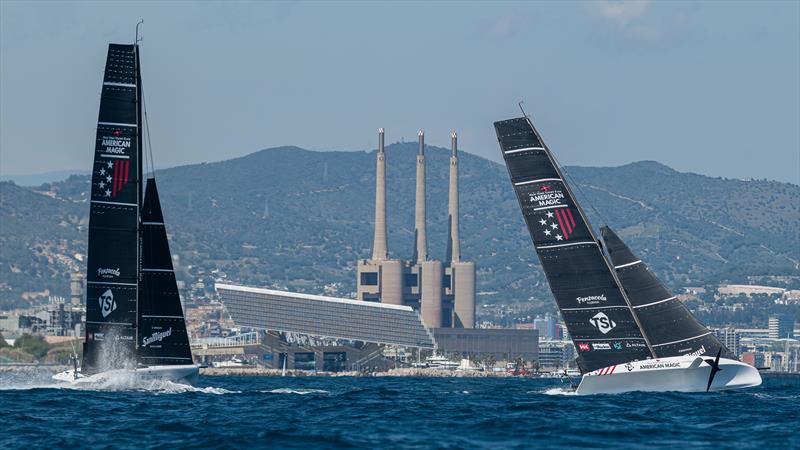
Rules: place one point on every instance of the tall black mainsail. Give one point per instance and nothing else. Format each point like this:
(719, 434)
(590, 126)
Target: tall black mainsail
(594, 307)
(162, 330)
(133, 311)
(113, 250)
(670, 327)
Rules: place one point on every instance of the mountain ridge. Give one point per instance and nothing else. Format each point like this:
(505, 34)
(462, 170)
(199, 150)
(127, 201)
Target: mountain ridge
(300, 219)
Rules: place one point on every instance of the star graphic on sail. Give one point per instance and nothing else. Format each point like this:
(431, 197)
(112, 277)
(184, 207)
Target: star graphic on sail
(111, 182)
(558, 220)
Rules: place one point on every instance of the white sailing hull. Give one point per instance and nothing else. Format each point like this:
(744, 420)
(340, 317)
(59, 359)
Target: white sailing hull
(680, 373)
(181, 374)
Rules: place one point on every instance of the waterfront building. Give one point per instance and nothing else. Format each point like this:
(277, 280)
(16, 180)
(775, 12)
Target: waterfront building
(729, 338)
(781, 326)
(443, 291)
(547, 326)
(555, 354)
(501, 344)
(311, 332)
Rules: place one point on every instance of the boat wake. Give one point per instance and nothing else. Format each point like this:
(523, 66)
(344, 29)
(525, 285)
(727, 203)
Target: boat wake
(117, 382)
(297, 391)
(556, 391)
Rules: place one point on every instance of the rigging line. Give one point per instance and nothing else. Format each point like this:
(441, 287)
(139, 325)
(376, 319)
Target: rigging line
(583, 194)
(147, 132)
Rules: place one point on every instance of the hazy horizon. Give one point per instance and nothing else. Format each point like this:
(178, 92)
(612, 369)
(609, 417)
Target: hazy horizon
(708, 88)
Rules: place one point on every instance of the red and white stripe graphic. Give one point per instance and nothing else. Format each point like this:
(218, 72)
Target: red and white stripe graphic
(121, 171)
(565, 221)
(607, 370)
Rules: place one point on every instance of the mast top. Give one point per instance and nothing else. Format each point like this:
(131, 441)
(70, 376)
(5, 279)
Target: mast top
(136, 41)
(522, 109)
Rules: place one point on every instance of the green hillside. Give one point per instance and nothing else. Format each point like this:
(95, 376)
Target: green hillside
(301, 219)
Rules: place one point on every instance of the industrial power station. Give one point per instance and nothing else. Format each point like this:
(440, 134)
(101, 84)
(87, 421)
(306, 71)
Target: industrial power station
(443, 292)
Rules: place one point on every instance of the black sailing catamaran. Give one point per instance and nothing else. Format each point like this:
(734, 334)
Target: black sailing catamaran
(630, 332)
(134, 320)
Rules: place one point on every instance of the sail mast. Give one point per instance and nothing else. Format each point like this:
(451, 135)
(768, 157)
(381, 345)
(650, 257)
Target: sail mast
(581, 212)
(139, 165)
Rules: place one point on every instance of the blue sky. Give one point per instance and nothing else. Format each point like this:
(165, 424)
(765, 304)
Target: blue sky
(712, 88)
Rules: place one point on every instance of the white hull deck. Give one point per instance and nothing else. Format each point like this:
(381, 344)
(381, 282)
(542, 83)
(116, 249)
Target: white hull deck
(180, 374)
(680, 373)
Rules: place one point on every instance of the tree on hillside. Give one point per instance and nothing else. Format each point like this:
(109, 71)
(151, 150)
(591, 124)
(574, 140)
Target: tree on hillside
(33, 344)
(3, 342)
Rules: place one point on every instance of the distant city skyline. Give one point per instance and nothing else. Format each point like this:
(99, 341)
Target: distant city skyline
(705, 87)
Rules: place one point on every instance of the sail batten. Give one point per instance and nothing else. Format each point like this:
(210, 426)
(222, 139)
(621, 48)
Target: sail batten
(594, 307)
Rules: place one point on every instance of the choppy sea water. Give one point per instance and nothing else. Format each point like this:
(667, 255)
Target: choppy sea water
(389, 412)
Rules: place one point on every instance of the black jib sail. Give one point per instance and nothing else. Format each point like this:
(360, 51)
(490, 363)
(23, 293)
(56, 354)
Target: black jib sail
(592, 304)
(162, 330)
(670, 327)
(112, 261)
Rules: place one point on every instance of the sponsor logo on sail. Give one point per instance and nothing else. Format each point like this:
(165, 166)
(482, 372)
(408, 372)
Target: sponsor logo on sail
(546, 196)
(584, 347)
(617, 345)
(700, 351)
(107, 303)
(591, 299)
(107, 273)
(601, 346)
(158, 336)
(116, 145)
(602, 322)
(635, 344)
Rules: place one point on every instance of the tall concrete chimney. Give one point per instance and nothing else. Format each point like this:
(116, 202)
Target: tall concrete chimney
(453, 244)
(379, 250)
(421, 249)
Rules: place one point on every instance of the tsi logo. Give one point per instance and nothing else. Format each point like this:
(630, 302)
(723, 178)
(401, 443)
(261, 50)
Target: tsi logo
(602, 322)
(107, 303)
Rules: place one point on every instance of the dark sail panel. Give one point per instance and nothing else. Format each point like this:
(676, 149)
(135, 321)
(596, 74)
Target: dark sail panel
(591, 302)
(669, 325)
(112, 260)
(162, 330)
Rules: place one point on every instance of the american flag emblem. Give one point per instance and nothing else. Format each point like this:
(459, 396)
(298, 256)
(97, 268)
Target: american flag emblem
(113, 177)
(558, 223)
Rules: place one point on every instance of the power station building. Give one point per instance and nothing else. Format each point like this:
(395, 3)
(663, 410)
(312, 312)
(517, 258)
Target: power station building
(442, 291)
